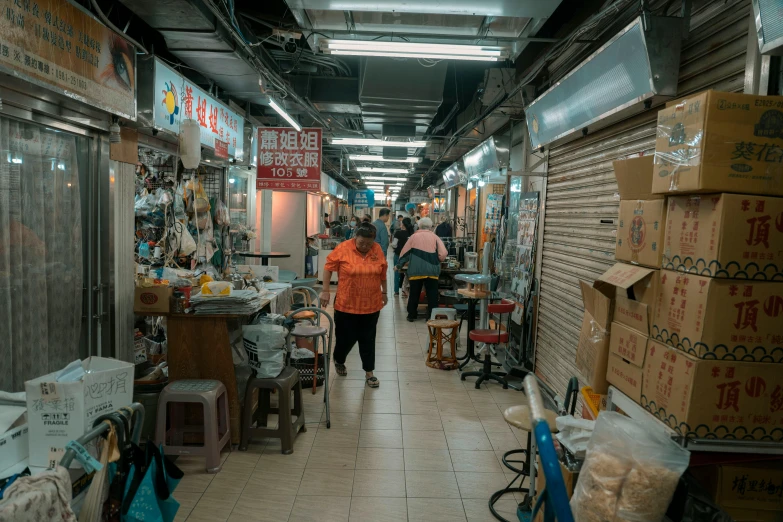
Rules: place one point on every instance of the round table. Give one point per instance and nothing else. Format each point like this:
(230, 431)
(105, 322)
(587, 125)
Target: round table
(492, 296)
(265, 256)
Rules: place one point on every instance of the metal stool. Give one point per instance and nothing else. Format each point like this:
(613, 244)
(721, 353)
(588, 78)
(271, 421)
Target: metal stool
(491, 338)
(519, 417)
(315, 333)
(438, 337)
(213, 397)
(287, 428)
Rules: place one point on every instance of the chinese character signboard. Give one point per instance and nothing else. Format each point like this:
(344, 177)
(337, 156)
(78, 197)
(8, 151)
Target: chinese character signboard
(57, 45)
(289, 159)
(361, 198)
(175, 99)
(419, 196)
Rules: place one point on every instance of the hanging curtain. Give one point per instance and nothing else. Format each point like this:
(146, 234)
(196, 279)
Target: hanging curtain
(40, 252)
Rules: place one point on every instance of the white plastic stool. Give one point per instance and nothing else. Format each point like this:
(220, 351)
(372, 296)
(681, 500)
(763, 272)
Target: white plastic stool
(449, 313)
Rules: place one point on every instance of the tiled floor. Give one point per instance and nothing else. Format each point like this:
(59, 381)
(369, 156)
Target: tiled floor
(424, 446)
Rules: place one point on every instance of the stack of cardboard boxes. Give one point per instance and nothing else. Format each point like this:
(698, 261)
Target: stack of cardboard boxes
(690, 323)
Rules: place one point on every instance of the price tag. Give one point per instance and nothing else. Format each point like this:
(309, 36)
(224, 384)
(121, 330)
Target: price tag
(49, 391)
(55, 456)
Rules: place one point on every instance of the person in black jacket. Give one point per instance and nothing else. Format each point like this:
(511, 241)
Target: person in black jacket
(398, 241)
(444, 229)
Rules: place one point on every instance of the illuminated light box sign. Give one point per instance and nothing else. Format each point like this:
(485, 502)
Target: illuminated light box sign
(176, 98)
(289, 159)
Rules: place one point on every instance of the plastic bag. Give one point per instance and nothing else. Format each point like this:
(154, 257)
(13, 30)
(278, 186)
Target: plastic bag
(265, 348)
(630, 473)
(574, 433)
(221, 214)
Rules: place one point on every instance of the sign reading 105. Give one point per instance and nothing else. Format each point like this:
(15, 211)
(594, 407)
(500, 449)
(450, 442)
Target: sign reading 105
(282, 172)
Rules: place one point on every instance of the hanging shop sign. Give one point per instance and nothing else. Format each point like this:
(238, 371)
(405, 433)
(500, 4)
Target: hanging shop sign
(289, 159)
(487, 158)
(419, 196)
(221, 149)
(175, 98)
(59, 46)
(361, 198)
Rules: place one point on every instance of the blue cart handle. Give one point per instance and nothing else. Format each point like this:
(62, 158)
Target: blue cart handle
(557, 498)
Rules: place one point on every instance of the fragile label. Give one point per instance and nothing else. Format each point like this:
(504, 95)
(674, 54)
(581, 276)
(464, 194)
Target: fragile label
(49, 391)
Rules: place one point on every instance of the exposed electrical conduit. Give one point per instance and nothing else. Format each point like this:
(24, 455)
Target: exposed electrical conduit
(117, 30)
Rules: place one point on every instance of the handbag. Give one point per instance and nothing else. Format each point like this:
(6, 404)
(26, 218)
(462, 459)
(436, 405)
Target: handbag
(151, 481)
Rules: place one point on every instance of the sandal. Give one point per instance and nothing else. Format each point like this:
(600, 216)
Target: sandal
(340, 369)
(373, 382)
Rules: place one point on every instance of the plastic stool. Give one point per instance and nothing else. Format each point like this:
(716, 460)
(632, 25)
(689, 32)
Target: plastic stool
(213, 397)
(439, 337)
(444, 313)
(287, 428)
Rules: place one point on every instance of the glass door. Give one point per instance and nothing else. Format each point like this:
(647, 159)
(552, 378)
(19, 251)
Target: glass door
(46, 267)
(239, 198)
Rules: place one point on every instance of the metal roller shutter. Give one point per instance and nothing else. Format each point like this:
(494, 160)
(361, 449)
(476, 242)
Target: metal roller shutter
(581, 205)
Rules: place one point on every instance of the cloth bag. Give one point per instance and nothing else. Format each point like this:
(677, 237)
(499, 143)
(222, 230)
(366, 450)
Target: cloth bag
(151, 481)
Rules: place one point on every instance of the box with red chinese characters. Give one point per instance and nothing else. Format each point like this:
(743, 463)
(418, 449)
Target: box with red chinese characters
(725, 235)
(717, 399)
(627, 350)
(722, 319)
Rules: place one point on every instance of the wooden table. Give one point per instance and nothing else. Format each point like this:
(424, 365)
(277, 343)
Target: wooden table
(199, 347)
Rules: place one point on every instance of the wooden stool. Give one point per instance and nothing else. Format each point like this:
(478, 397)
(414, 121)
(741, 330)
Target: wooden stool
(438, 336)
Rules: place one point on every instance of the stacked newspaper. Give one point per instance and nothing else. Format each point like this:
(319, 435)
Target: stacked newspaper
(239, 302)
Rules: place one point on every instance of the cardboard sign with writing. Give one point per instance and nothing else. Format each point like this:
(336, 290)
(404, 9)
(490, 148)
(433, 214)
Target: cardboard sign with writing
(720, 142)
(720, 318)
(719, 399)
(725, 235)
(640, 232)
(289, 160)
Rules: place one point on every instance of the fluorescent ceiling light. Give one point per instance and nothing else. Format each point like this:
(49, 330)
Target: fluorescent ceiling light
(414, 50)
(382, 169)
(285, 115)
(381, 178)
(370, 157)
(374, 142)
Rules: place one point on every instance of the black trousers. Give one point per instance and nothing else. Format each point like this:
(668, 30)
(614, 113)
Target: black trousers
(350, 328)
(431, 287)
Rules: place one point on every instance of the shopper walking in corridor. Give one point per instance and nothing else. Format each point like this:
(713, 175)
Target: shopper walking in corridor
(362, 292)
(398, 243)
(423, 252)
(382, 237)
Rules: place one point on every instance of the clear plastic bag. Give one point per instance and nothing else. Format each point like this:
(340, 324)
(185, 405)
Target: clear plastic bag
(630, 473)
(221, 214)
(265, 348)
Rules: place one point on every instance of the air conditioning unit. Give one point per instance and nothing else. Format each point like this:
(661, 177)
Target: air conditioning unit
(769, 25)
(635, 70)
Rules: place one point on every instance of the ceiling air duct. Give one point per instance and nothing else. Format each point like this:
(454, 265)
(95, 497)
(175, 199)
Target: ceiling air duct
(633, 71)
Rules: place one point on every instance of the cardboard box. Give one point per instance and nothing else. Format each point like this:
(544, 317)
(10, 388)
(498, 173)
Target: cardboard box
(14, 445)
(720, 142)
(58, 412)
(725, 235)
(627, 350)
(633, 286)
(634, 178)
(744, 486)
(720, 318)
(640, 232)
(152, 300)
(569, 477)
(716, 399)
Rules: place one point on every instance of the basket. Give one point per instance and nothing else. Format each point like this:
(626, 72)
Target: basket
(594, 403)
(305, 367)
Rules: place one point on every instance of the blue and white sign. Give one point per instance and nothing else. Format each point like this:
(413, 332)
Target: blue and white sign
(361, 198)
(177, 98)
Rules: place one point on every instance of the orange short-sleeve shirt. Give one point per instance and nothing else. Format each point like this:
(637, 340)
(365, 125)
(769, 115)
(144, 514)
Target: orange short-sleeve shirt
(359, 277)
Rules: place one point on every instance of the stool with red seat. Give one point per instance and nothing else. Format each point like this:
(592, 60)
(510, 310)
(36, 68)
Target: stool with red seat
(492, 338)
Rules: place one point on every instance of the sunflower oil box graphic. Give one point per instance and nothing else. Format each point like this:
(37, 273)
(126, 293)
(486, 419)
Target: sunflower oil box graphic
(720, 142)
(720, 319)
(725, 235)
(716, 399)
(642, 214)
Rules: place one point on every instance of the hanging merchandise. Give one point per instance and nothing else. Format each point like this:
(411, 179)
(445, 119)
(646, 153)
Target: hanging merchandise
(527, 221)
(494, 211)
(221, 214)
(190, 143)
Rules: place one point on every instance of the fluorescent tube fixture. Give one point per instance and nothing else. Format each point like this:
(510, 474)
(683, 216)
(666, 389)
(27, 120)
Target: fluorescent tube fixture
(382, 169)
(279, 110)
(370, 157)
(374, 142)
(381, 178)
(415, 50)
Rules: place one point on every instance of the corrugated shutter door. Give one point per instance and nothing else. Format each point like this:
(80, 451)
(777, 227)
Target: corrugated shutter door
(581, 205)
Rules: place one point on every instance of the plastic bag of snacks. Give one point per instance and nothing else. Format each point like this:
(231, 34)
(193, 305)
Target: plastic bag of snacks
(630, 473)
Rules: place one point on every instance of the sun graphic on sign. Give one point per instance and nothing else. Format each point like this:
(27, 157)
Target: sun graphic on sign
(170, 101)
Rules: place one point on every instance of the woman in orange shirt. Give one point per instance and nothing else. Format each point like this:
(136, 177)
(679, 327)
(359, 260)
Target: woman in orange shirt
(361, 293)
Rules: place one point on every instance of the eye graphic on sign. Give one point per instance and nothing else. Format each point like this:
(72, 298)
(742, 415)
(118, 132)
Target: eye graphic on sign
(170, 101)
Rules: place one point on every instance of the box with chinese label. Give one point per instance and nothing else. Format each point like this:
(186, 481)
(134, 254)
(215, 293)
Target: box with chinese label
(58, 412)
(720, 318)
(725, 235)
(633, 286)
(745, 486)
(627, 350)
(720, 142)
(716, 399)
